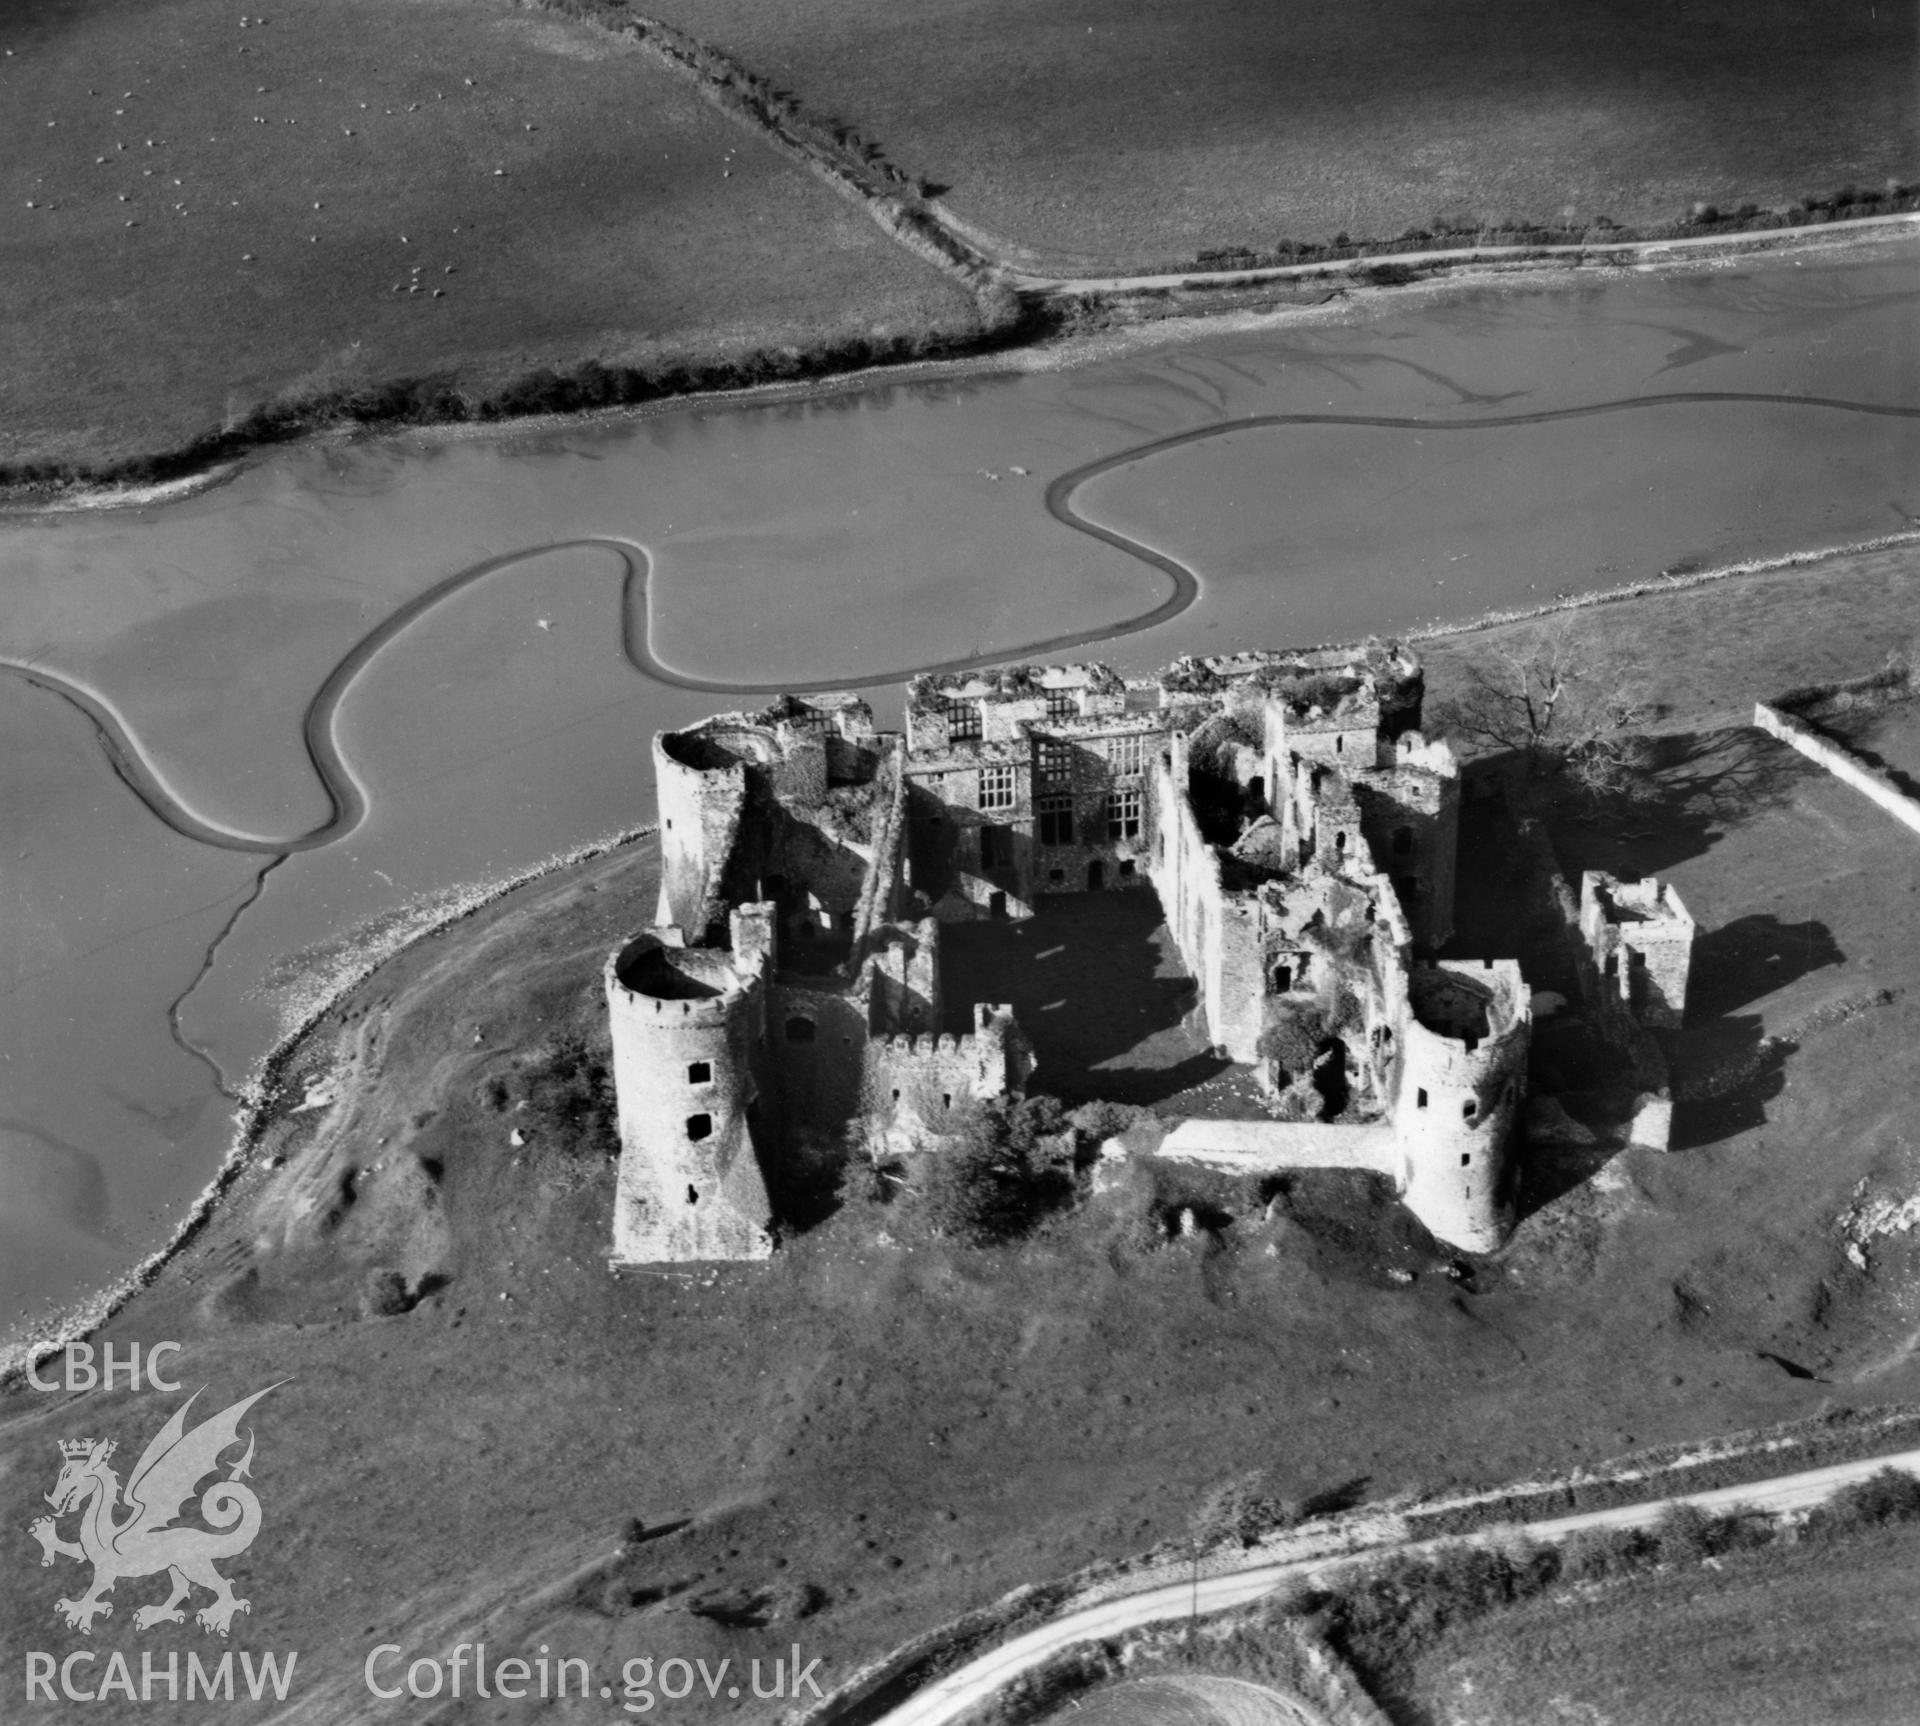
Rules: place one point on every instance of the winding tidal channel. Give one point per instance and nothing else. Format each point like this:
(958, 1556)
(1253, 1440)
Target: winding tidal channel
(248, 731)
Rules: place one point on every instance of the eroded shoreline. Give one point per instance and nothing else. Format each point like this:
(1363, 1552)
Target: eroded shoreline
(260, 1096)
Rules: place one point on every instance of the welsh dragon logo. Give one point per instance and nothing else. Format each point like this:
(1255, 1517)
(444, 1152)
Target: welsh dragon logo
(145, 1540)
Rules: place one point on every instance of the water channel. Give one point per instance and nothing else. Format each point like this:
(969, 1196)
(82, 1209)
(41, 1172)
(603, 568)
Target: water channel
(246, 728)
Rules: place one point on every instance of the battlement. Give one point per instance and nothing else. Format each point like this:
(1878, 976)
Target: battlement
(926, 1044)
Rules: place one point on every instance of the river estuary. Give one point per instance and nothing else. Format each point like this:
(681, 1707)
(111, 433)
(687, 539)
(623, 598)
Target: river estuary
(246, 730)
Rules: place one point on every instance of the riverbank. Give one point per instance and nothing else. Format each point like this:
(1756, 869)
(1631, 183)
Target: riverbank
(1057, 332)
(262, 1092)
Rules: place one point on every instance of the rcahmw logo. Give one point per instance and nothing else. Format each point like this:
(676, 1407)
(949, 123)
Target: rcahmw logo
(137, 1531)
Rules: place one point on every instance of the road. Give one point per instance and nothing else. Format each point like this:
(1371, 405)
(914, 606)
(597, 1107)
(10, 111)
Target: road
(970, 1685)
(1621, 251)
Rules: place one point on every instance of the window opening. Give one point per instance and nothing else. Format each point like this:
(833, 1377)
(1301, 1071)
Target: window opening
(1056, 820)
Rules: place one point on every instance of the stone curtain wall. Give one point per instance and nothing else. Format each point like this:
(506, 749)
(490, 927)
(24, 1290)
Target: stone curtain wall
(1870, 782)
(1267, 1147)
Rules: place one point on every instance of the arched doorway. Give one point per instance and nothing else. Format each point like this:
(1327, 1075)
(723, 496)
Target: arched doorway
(1330, 1078)
(1096, 876)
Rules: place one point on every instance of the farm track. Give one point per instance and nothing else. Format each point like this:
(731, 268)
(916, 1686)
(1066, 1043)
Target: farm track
(958, 1694)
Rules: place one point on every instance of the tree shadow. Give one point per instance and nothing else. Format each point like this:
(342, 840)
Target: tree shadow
(1695, 787)
(1692, 788)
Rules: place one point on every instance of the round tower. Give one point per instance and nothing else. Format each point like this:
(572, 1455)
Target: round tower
(686, 1052)
(1462, 1077)
(700, 792)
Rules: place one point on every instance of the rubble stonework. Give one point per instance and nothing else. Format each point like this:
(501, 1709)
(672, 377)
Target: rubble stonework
(1299, 831)
(1641, 940)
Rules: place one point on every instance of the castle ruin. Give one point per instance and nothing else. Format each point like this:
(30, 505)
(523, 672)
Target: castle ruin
(1298, 829)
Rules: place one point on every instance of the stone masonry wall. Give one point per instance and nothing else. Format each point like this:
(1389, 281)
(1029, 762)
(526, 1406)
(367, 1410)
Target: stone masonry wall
(1870, 782)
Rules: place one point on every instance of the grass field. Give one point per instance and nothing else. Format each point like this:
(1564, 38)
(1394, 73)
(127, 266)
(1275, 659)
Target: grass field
(1785, 1636)
(1706, 654)
(1130, 132)
(201, 216)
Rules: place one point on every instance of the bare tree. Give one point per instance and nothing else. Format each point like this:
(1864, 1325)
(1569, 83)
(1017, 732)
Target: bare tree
(1561, 706)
